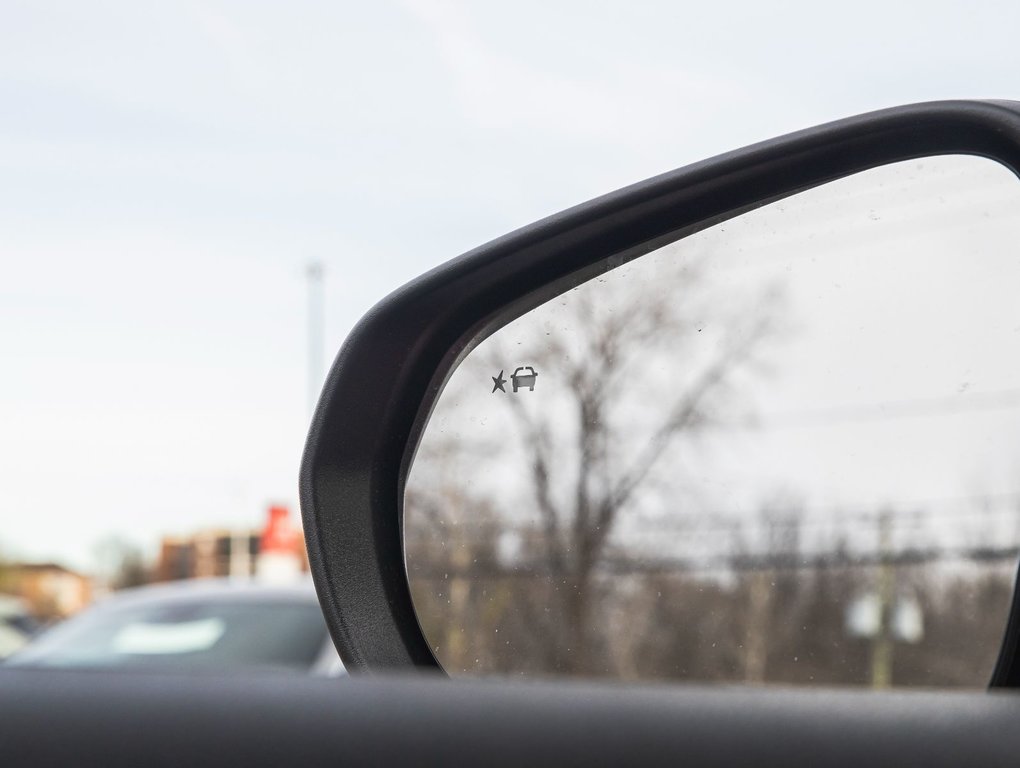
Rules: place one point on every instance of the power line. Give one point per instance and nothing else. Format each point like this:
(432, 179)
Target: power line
(782, 561)
(911, 408)
(870, 511)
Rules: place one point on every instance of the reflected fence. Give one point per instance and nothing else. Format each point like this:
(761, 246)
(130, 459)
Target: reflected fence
(913, 616)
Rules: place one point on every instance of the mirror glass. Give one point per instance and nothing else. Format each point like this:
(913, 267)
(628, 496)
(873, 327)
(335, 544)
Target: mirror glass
(785, 449)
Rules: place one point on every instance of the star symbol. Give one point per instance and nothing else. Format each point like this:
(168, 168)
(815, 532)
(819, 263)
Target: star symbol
(498, 382)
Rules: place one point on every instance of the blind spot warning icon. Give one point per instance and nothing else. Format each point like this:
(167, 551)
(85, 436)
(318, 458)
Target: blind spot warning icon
(524, 377)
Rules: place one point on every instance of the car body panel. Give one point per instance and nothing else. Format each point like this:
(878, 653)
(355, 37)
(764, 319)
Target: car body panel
(118, 608)
(52, 717)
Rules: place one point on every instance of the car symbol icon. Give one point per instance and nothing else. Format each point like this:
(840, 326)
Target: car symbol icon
(522, 379)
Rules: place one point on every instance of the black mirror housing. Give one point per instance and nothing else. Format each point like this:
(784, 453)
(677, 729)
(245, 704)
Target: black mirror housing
(389, 372)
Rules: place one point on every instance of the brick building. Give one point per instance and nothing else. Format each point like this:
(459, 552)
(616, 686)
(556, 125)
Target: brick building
(50, 590)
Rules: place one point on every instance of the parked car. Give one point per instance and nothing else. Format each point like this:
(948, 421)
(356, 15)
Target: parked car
(17, 625)
(208, 623)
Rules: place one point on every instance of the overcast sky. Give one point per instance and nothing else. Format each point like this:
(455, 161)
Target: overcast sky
(169, 170)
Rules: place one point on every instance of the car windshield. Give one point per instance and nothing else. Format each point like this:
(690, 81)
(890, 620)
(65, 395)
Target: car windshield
(218, 633)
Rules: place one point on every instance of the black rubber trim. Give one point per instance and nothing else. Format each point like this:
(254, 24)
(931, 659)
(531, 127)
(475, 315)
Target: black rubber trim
(393, 365)
(135, 718)
(1007, 667)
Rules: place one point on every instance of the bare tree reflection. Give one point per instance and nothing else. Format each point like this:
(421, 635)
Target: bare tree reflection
(637, 370)
(629, 516)
(621, 330)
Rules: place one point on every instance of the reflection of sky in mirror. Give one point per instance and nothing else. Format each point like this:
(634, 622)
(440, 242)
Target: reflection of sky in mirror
(888, 380)
(900, 385)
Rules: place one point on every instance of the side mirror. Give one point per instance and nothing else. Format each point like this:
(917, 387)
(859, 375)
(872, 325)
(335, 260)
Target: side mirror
(545, 403)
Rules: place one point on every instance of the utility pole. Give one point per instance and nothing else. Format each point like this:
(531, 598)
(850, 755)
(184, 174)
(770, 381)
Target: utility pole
(756, 646)
(240, 555)
(882, 643)
(316, 321)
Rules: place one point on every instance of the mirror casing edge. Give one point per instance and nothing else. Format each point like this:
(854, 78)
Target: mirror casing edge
(394, 363)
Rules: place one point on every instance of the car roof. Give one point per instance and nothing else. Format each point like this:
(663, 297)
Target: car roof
(201, 590)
